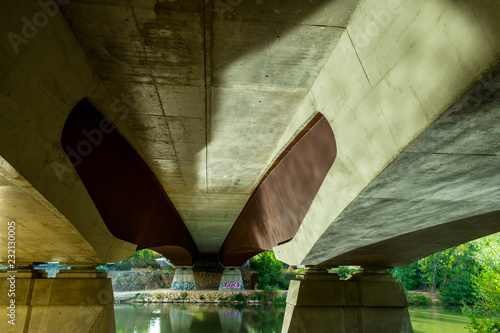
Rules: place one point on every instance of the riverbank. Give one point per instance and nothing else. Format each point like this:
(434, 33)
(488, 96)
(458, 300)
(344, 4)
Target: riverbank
(201, 296)
(152, 286)
(139, 279)
(237, 296)
(427, 298)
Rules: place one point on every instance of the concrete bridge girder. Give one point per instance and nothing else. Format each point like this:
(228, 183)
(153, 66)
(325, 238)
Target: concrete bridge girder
(385, 58)
(210, 118)
(35, 222)
(394, 73)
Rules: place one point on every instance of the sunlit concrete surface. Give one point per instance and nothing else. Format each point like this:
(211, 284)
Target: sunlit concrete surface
(77, 300)
(397, 68)
(321, 302)
(210, 93)
(209, 98)
(213, 91)
(42, 233)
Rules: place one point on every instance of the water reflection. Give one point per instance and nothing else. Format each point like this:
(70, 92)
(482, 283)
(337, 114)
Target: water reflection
(230, 320)
(438, 320)
(180, 318)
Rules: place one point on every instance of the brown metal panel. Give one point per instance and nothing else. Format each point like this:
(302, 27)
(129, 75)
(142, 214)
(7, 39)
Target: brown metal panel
(278, 206)
(129, 198)
(272, 202)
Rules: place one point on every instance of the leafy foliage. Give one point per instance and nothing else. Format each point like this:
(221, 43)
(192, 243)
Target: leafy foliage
(485, 314)
(141, 259)
(410, 276)
(459, 286)
(239, 297)
(418, 299)
(468, 274)
(450, 272)
(269, 271)
(345, 271)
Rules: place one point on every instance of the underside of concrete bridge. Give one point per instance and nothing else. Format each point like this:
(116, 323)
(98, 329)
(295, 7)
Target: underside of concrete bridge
(332, 132)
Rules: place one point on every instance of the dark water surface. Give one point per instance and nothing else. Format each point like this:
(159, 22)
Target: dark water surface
(180, 318)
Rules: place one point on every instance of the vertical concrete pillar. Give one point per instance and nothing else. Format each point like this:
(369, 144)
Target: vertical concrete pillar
(76, 300)
(183, 279)
(231, 279)
(368, 302)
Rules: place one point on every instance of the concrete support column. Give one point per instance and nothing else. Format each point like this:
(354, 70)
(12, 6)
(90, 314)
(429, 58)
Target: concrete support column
(76, 300)
(231, 279)
(183, 279)
(368, 302)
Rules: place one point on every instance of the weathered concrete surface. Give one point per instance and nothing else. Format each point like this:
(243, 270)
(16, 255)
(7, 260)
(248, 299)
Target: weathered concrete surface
(441, 191)
(366, 303)
(231, 279)
(74, 301)
(213, 89)
(183, 279)
(40, 82)
(41, 233)
(209, 99)
(400, 65)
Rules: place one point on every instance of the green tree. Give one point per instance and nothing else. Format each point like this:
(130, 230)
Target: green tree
(450, 271)
(485, 314)
(468, 274)
(457, 286)
(410, 276)
(269, 270)
(141, 259)
(433, 269)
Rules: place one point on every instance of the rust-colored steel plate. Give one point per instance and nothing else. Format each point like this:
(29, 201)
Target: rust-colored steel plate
(278, 206)
(129, 198)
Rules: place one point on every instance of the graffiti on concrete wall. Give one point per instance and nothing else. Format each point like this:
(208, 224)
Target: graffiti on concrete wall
(231, 285)
(183, 285)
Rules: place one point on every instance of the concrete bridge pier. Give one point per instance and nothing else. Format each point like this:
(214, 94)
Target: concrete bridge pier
(76, 300)
(371, 301)
(183, 278)
(231, 279)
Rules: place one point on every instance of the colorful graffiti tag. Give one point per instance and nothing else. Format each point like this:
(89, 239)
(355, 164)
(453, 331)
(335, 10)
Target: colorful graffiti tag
(183, 285)
(231, 285)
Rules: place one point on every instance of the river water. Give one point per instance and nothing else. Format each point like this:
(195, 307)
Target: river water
(180, 318)
(438, 320)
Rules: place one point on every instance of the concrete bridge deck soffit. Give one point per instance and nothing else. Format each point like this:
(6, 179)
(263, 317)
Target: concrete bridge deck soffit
(210, 96)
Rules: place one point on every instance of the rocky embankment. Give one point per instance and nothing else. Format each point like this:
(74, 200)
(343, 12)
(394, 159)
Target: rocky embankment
(149, 279)
(201, 296)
